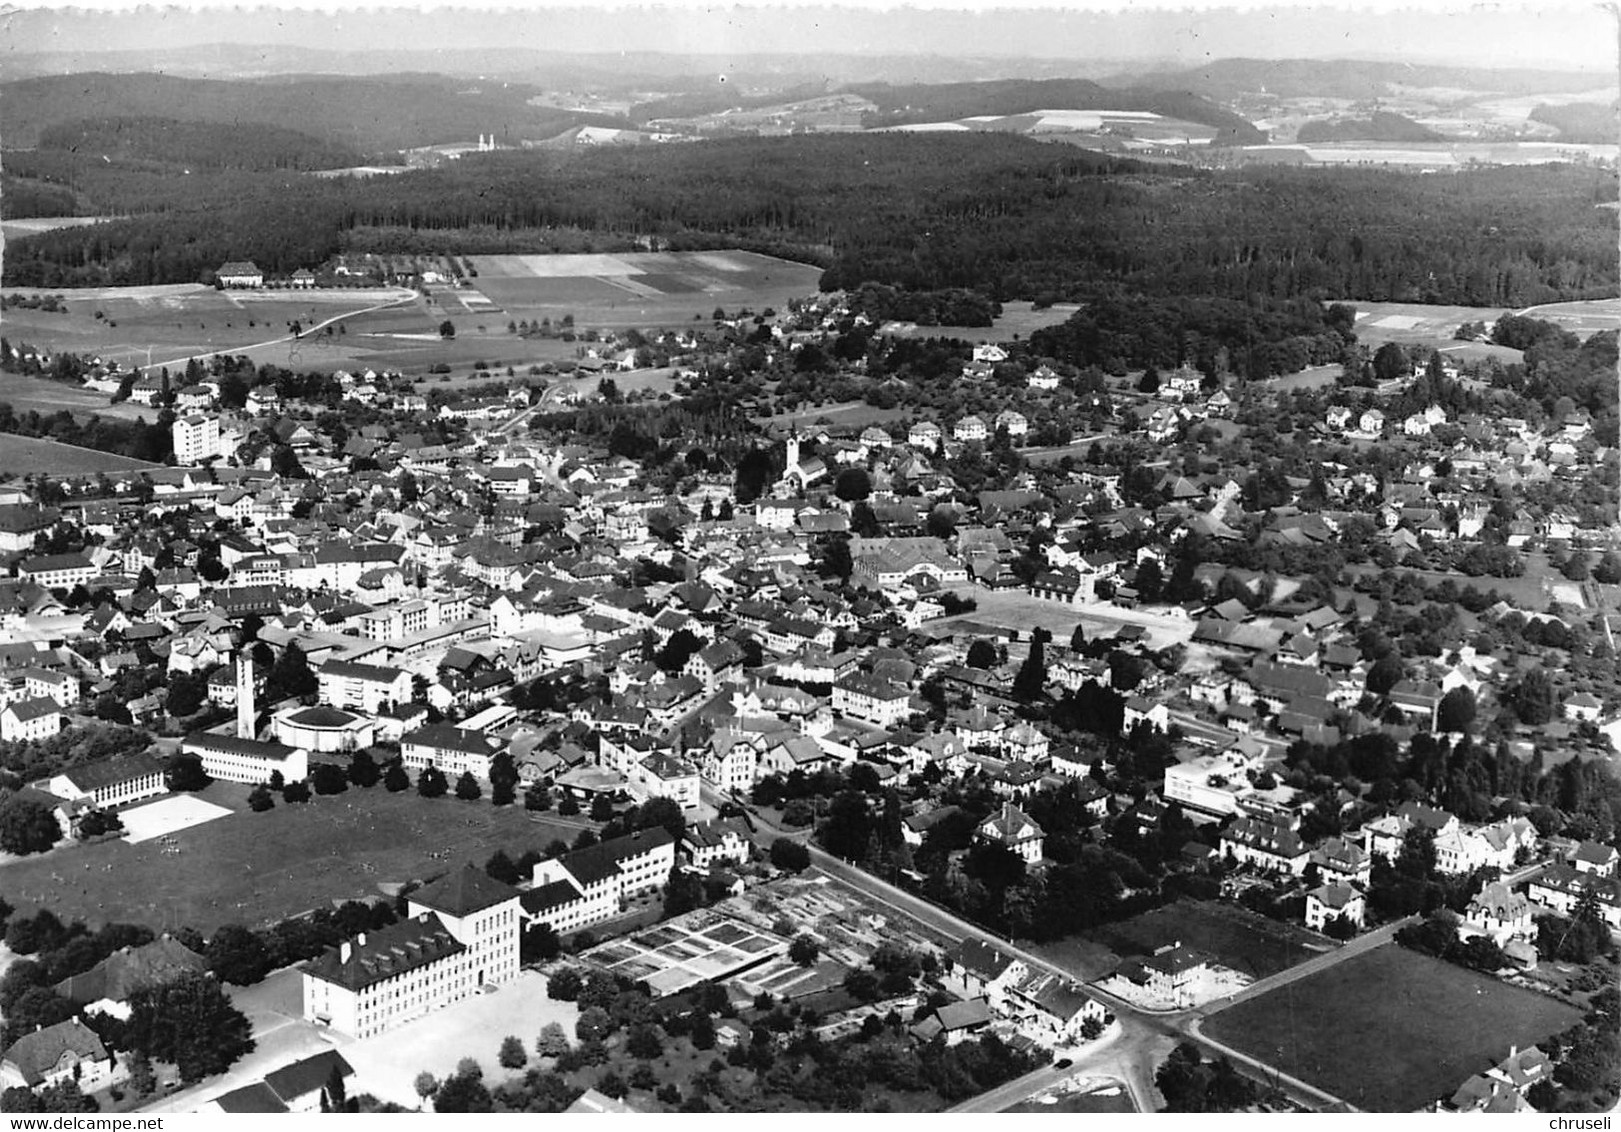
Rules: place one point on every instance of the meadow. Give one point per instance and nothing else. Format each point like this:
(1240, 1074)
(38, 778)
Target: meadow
(1389, 1030)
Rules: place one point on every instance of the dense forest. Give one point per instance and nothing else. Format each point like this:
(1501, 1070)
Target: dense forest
(1004, 216)
(1382, 126)
(1213, 335)
(205, 145)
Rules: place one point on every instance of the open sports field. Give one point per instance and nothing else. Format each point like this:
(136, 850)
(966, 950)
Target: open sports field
(1389, 1030)
(1240, 939)
(643, 289)
(259, 868)
(20, 455)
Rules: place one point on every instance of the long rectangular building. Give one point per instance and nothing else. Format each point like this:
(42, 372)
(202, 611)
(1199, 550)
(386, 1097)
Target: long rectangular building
(246, 760)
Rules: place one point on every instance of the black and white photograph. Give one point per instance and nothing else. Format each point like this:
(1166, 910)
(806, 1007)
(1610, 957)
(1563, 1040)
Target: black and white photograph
(809, 558)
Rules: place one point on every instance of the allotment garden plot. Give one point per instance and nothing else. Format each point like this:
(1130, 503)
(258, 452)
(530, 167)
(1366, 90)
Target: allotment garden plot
(698, 947)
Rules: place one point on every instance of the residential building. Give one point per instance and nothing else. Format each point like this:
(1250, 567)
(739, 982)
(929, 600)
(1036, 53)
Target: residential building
(51, 1055)
(1013, 829)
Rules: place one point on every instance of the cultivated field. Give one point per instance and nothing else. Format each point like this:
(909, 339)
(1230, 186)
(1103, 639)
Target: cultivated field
(1389, 1030)
(1017, 320)
(259, 868)
(1240, 939)
(20, 455)
(1413, 323)
(643, 289)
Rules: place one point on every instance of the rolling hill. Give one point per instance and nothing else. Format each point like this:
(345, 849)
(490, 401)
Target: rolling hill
(1226, 79)
(366, 115)
(1382, 126)
(906, 105)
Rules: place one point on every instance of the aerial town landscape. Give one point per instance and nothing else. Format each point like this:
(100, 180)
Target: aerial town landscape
(536, 581)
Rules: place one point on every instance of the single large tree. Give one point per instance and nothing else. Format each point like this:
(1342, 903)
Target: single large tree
(431, 782)
(26, 826)
(190, 1023)
(503, 780)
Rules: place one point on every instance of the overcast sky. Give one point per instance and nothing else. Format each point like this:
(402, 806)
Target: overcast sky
(1562, 34)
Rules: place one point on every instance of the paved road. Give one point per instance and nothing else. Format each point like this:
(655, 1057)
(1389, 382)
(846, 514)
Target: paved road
(1146, 1036)
(1138, 1033)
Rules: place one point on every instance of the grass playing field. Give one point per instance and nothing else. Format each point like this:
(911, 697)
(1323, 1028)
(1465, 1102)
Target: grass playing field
(1389, 1030)
(643, 289)
(259, 868)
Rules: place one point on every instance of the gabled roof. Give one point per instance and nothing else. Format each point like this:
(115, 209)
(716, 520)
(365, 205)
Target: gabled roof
(307, 1076)
(132, 969)
(38, 1053)
(257, 1097)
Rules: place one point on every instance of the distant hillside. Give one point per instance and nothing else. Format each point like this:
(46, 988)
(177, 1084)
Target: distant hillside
(1226, 79)
(1381, 127)
(906, 105)
(712, 101)
(1582, 122)
(366, 115)
(208, 145)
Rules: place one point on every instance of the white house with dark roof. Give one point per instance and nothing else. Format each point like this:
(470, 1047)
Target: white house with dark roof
(1331, 901)
(1013, 829)
(240, 274)
(67, 1051)
(38, 717)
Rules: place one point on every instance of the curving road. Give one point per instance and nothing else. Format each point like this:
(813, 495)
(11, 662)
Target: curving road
(401, 297)
(1143, 1038)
